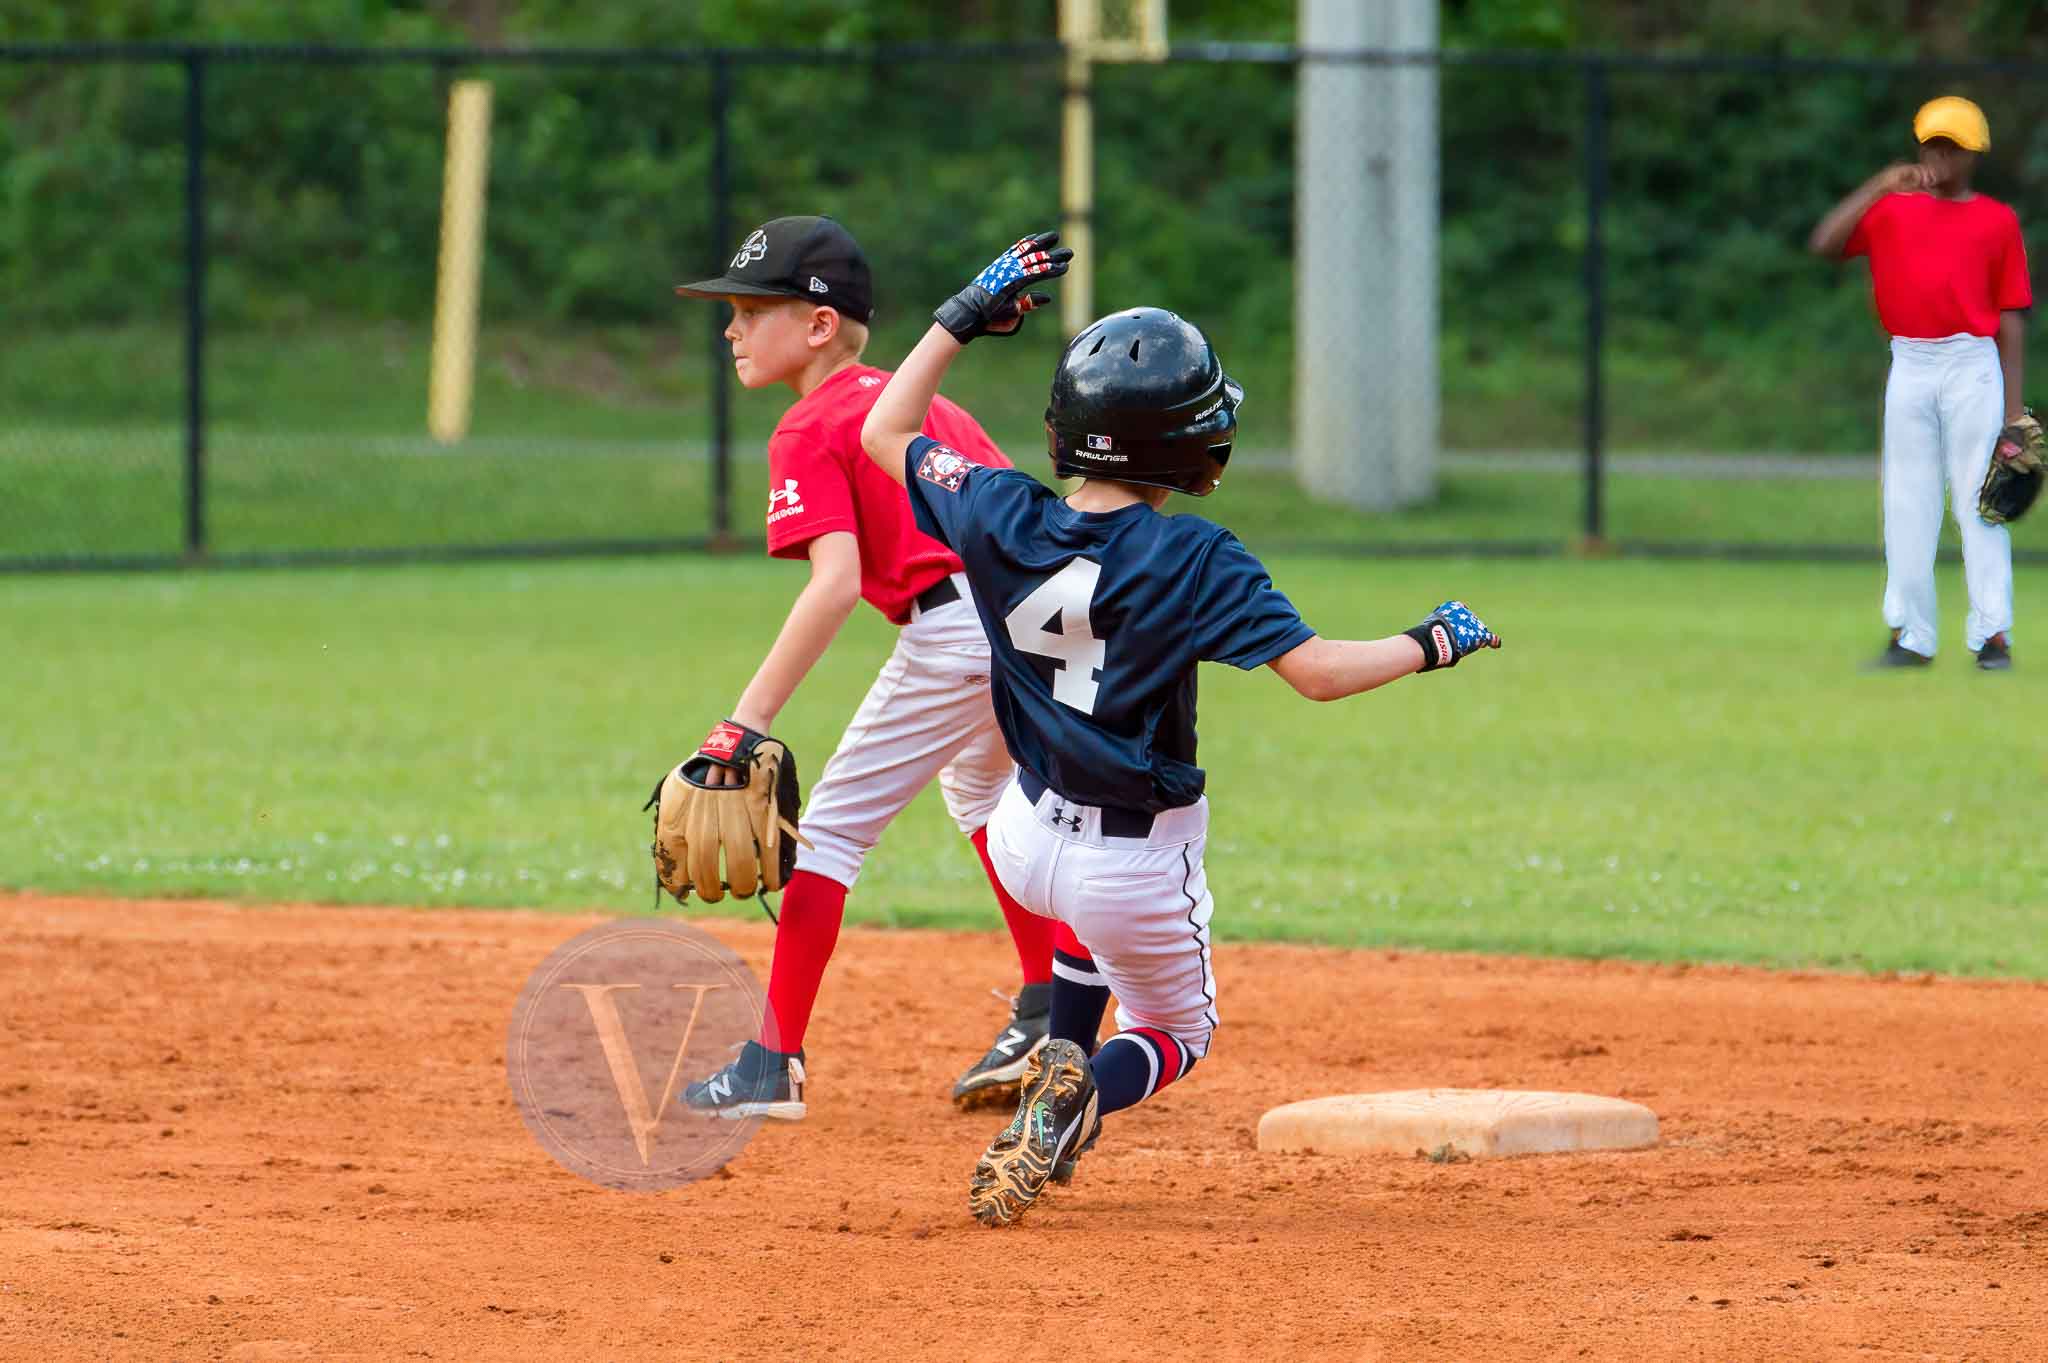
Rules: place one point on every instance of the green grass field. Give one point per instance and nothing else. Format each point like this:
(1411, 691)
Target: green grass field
(316, 443)
(1667, 760)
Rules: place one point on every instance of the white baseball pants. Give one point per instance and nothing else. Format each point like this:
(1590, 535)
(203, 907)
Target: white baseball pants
(1944, 403)
(1140, 905)
(927, 714)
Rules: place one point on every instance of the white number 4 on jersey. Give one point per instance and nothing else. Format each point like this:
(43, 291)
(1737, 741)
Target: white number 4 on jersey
(1066, 594)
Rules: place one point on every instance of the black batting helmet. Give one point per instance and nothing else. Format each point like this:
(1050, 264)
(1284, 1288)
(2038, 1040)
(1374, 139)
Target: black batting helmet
(1141, 397)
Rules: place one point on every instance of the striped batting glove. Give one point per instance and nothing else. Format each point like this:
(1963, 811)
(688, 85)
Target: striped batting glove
(1448, 633)
(995, 303)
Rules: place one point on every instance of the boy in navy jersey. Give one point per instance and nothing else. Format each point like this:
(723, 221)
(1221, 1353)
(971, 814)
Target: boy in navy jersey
(1097, 609)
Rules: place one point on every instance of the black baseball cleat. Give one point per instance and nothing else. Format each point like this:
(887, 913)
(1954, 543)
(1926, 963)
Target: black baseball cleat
(1056, 1113)
(759, 1083)
(993, 1079)
(1896, 654)
(1996, 655)
(1063, 1172)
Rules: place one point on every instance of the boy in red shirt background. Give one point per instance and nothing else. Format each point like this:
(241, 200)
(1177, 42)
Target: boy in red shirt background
(802, 296)
(1949, 273)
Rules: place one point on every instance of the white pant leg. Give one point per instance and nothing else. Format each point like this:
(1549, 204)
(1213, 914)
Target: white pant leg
(1142, 911)
(1972, 413)
(929, 704)
(1912, 466)
(974, 780)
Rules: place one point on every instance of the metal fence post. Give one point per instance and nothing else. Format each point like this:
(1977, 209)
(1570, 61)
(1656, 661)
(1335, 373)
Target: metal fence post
(195, 303)
(1596, 302)
(721, 359)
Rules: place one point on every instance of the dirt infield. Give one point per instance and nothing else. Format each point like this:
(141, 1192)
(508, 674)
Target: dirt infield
(286, 1133)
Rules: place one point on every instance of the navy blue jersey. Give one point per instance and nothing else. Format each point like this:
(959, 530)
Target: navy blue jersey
(1096, 621)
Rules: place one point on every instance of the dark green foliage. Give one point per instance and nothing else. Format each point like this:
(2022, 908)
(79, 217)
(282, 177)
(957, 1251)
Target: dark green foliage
(325, 181)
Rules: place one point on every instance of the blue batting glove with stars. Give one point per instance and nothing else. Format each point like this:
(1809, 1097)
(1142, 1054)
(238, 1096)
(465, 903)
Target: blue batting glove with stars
(1450, 632)
(995, 303)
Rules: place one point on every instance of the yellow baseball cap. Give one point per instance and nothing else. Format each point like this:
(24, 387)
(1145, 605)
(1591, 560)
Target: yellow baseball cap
(1955, 118)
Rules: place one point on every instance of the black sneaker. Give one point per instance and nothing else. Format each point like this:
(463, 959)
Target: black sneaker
(993, 1078)
(1996, 655)
(1056, 1111)
(760, 1083)
(1896, 654)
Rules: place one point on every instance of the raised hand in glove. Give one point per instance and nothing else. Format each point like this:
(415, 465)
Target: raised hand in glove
(1450, 632)
(2019, 463)
(995, 303)
(725, 818)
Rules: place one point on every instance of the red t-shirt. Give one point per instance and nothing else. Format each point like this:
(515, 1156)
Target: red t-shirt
(820, 480)
(1942, 266)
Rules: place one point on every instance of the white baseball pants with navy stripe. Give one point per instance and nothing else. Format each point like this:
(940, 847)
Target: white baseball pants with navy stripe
(1140, 905)
(1944, 403)
(928, 714)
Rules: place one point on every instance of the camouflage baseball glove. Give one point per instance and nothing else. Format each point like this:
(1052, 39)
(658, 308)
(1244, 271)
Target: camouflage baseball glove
(2018, 464)
(742, 837)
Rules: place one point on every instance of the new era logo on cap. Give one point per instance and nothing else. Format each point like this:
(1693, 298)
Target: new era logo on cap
(801, 257)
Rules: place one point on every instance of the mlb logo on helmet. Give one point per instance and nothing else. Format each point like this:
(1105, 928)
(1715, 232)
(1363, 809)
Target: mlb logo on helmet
(1098, 442)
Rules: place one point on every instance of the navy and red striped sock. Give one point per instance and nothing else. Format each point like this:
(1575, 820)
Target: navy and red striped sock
(1079, 993)
(1134, 1065)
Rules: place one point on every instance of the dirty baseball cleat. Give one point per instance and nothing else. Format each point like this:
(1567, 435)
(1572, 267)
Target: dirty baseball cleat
(759, 1083)
(993, 1078)
(1056, 1112)
(1896, 654)
(1996, 655)
(1063, 1172)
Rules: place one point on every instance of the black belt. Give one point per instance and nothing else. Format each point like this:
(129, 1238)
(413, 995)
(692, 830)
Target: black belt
(1116, 823)
(941, 593)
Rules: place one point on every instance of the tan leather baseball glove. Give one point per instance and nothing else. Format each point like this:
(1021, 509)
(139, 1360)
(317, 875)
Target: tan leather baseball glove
(710, 838)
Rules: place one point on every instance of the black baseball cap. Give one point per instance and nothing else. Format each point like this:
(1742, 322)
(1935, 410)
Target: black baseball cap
(812, 258)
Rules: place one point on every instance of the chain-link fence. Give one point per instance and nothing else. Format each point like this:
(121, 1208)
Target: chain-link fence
(1572, 290)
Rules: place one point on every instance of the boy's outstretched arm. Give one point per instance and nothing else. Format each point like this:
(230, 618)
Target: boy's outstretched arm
(1331, 669)
(898, 414)
(994, 304)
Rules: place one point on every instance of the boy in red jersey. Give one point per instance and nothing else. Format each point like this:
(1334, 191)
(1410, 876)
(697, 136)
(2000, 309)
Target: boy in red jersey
(1949, 272)
(801, 296)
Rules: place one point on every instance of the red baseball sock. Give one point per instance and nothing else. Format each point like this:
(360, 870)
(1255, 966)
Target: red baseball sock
(1030, 934)
(811, 910)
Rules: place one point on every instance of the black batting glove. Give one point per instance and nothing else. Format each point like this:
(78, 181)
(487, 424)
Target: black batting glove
(1450, 632)
(995, 303)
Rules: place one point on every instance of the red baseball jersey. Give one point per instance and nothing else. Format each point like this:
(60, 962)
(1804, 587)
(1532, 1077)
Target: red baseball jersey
(1940, 267)
(820, 480)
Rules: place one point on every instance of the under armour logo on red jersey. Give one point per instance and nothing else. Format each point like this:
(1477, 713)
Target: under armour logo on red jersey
(785, 493)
